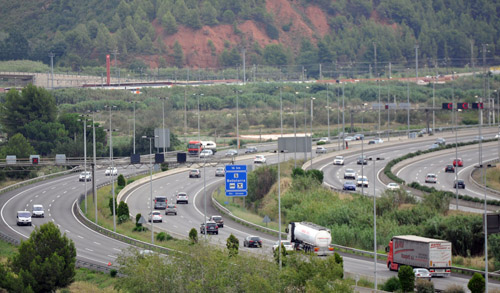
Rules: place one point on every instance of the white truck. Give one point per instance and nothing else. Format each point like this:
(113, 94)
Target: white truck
(420, 252)
(209, 145)
(310, 237)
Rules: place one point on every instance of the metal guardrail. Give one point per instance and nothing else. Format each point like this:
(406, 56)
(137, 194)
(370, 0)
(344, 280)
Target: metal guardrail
(479, 185)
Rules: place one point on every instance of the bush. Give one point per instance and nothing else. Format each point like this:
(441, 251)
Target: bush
(476, 283)
(162, 236)
(110, 204)
(298, 172)
(406, 278)
(137, 218)
(123, 210)
(391, 285)
(232, 245)
(454, 289)
(193, 235)
(424, 286)
(121, 181)
(316, 174)
(123, 219)
(113, 273)
(320, 143)
(164, 167)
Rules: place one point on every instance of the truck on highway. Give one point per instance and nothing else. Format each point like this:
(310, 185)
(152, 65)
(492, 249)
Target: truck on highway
(420, 252)
(310, 237)
(196, 146)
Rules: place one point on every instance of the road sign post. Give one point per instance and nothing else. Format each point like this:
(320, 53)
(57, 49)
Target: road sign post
(236, 180)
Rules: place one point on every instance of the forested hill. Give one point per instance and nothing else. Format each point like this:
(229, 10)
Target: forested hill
(213, 33)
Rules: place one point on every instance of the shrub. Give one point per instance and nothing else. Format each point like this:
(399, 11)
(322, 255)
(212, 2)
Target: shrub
(123, 219)
(476, 283)
(161, 236)
(298, 172)
(232, 244)
(391, 285)
(121, 181)
(110, 204)
(123, 210)
(320, 143)
(137, 218)
(424, 286)
(113, 273)
(164, 167)
(406, 278)
(193, 235)
(454, 289)
(316, 174)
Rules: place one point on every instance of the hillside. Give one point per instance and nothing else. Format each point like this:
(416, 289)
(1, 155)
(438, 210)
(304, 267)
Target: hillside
(213, 33)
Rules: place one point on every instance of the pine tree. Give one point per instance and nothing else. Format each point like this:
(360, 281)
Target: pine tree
(169, 23)
(178, 55)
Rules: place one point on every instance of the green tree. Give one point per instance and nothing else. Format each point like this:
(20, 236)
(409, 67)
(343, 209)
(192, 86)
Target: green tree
(494, 246)
(477, 283)
(110, 205)
(169, 23)
(180, 10)
(45, 135)
(193, 20)
(123, 210)
(121, 181)
(232, 244)
(406, 278)
(146, 45)
(208, 14)
(178, 55)
(46, 261)
(19, 109)
(17, 146)
(228, 16)
(274, 54)
(193, 235)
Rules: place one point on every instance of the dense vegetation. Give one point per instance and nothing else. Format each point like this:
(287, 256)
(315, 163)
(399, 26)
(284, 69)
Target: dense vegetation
(81, 33)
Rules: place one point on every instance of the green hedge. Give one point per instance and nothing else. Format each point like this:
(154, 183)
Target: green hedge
(424, 188)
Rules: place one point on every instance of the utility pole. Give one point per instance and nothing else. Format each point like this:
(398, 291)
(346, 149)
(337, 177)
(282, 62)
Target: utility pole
(375, 57)
(115, 52)
(416, 61)
(472, 57)
(51, 55)
(244, 65)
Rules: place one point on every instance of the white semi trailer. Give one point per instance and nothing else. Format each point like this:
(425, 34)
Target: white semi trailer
(420, 252)
(310, 237)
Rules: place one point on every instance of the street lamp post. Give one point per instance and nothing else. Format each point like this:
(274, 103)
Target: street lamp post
(343, 116)
(84, 118)
(134, 126)
(328, 111)
(338, 119)
(434, 103)
(295, 128)
(312, 99)
(378, 81)
(112, 165)
(94, 189)
(408, 101)
(375, 220)
(151, 183)
(163, 127)
(237, 120)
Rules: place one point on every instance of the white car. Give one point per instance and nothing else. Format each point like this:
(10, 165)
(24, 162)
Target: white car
(287, 244)
(431, 178)
(23, 218)
(422, 274)
(182, 197)
(339, 160)
(321, 150)
(155, 217)
(231, 153)
(111, 171)
(220, 171)
(85, 176)
(37, 211)
(392, 186)
(259, 159)
(350, 138)
(349, 174)
(324, 139)
(362, 181)
(206, 153)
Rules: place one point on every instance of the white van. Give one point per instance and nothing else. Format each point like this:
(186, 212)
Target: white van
(23, 218)
(209, 145)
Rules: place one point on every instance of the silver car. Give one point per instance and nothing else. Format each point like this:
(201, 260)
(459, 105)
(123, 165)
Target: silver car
(422, 274)
(220, 171)
(171, 209)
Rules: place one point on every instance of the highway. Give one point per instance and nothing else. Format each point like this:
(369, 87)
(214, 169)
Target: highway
(58, 195)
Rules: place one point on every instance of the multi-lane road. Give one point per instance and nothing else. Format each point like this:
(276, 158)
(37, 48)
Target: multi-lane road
(59, 195)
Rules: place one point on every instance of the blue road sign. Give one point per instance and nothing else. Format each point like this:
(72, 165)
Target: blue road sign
(236, 180)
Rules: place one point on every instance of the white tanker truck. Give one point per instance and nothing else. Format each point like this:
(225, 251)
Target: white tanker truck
(310, 237)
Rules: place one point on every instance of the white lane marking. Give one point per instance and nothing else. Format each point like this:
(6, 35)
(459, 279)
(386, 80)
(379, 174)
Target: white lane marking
(44, 191)
(53, 187)
(59, 196)
(53, 200)
(112, 256)
(97, 243)
(117, 249)
(67, 231)
(88, 249)
(65, 191)
(36, 195)
(79, 236)
(50, 205)
(50, 215)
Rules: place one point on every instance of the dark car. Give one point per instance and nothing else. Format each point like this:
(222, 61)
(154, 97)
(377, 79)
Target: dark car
(210, 228)
(460, 183)
(250, 150)
(362, 160)
(349, 185)
(218, 220)
(252, 241)
(160, 202)
(449, 168)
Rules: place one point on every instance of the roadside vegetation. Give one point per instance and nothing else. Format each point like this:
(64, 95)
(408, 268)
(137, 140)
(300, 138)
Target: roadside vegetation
(350, 216)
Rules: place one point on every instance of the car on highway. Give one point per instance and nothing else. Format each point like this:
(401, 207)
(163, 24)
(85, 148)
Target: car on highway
(422, 274)
(206, 154)
(286, 244)
(431, 178)
(111, 171)
(218, 220)
(160, 202)
(231, 153)
(259, 159)
(171, 209)
(362, 181)
(349, 138)
(349, 174)
(155, 216)
(321, 150)
(85, 176)
(23, 218)
(458, 162)
(339, 160)
(460, 183)
(362, 160)
(181, 197)
(324, 140)
(359, 136)
(220, 172)
(252, 241)
(211, 228)
(478, 138)
(393, 186)
(37, 211)
(349, 185)
(449, 169)
(251, 150)
(194, 173)
(434, 146)
(441, 141)
(375, 141)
